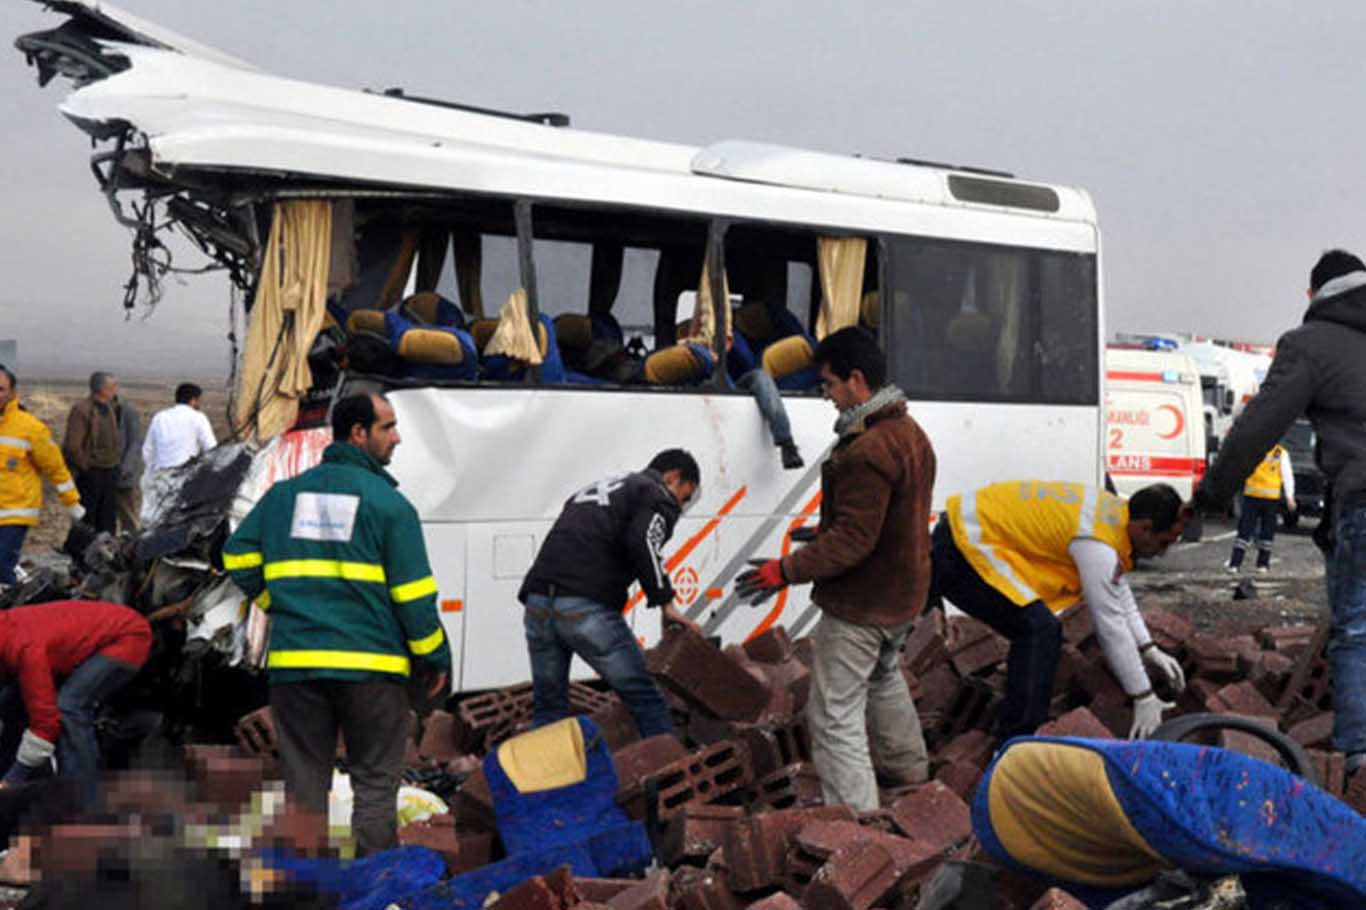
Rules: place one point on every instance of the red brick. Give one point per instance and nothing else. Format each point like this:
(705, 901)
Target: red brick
(961, 778)
(790, 787)
(1271, 674)
(756, 846)
(1242, 698)
(617, 726)
(1313, 731)
(699, 673)
(800, 865)
(927, 646)
(650, 894)
(1248, 744)
(976, 648)
(975, 747)
(1171, 632)
(1330, 768)
(696, 832)
(703, 777)
(1215, 658)
(1094, 682)
(1077, 722)
(1287, 639)
(933, 815)
(1310, 689)
(1057, 899)
(790, 677)
(1076, 625)
(644, 758)
(774, 746)
(472, 804)
(1354, 793)
(602, 890)
(541, 892)
(438, 737)
(938, 688)
(804, 650)
(479, 713)
(462, 851)
(857, 875)
(701, 889)
(971, 706)
(772, 646)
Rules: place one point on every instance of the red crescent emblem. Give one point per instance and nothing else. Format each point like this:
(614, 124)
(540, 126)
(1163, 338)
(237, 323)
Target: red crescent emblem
(1180, 421)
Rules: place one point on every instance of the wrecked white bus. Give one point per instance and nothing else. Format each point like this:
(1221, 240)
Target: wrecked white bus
(413, 245)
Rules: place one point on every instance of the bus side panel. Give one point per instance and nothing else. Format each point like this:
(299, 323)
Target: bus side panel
(446, 551)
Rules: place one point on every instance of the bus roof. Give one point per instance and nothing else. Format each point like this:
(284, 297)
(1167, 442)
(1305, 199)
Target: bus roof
(225, 116)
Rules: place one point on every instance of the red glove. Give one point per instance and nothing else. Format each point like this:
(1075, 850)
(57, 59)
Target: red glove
(759, 584)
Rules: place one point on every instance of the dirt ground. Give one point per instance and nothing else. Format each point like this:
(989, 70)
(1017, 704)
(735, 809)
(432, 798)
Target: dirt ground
(50, 400)
(1191, 580)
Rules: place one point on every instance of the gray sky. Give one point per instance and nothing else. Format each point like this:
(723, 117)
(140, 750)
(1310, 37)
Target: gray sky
(1222, 141)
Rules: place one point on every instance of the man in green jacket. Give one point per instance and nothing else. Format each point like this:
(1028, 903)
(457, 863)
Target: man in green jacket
(339, 556)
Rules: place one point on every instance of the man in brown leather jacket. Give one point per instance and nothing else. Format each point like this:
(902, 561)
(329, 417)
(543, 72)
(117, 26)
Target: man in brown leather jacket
(870, 562)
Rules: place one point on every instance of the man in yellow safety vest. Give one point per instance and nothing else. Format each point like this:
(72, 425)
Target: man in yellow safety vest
(1016, 554)
(1261, 505)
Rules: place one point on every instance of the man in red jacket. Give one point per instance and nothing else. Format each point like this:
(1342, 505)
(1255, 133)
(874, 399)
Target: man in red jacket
(95, 649)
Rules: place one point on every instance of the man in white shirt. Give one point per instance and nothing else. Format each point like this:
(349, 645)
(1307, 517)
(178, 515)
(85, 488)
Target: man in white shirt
(174, 436)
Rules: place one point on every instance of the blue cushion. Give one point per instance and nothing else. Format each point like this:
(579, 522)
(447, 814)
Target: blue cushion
(499, 367)
(740, 359)
(1217, 812)
(396, 325)
(372, 883)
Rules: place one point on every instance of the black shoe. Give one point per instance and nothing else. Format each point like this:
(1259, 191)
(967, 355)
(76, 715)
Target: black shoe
(792, 459)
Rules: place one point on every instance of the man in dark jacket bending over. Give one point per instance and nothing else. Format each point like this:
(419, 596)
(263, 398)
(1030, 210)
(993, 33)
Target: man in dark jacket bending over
(608, 535)
(1320, 371)
(870, 561)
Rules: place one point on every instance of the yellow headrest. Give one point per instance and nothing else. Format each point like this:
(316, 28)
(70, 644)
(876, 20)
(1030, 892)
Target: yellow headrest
(547, 758)
(870, 309)
(753, 322)
(482, 330)
(787, 356)
(365, 321)
(430, 346)
(672, 366)
(573, 331)
(542, 337)
(422, 306)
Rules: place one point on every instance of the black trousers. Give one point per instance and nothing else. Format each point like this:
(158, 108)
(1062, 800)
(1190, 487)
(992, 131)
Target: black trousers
(99, 489)
(1034, 633)
(373, 719)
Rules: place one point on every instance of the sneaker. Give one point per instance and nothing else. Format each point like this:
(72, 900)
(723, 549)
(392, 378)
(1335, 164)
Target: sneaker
(1230, 568)
(1262, 570)
(792, 459)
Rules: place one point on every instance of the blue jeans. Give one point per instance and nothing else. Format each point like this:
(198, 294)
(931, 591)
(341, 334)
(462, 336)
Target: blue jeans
(1257, 521)
(11, 543)
(559, 627)
(770, 402)
(1347, 647)
(78, 753)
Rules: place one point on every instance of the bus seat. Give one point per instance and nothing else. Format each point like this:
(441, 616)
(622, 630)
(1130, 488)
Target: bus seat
(574, 333)
(870, 311)
(682, 364)
(500, 367)
(789, 361)
(753, 321)
(365, 321)
(482, 330)
(430, 346)
(430, 308)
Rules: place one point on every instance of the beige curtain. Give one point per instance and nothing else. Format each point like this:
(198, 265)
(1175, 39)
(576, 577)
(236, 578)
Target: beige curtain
(285, 317)
(469, 259)
(702, 329)
(397, 280)
(513, 337)
(841, 262)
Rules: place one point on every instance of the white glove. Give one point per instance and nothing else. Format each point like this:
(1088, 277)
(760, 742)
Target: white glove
(77, 512)
(1148, 715)
(1166, 666)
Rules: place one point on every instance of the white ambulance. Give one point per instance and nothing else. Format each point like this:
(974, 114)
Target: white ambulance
(1154, 422)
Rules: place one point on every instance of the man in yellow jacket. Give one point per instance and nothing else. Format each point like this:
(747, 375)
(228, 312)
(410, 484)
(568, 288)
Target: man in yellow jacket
(27, 455)
(1016, 554)
(1272, 477)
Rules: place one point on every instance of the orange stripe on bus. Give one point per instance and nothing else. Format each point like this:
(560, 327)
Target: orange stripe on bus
(715, 593)
(692, 543)
(781, 603)
(452, 606)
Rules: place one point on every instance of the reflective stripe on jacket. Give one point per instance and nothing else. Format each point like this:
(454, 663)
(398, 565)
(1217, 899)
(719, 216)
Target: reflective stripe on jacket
(340, 555)
(27, 455)
(1015, 535)
(1265, 481)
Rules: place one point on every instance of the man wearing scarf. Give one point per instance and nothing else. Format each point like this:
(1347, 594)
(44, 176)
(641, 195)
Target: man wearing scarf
(870, 564)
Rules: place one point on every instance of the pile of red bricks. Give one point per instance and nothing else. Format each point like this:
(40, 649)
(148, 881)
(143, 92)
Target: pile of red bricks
(740, 799)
